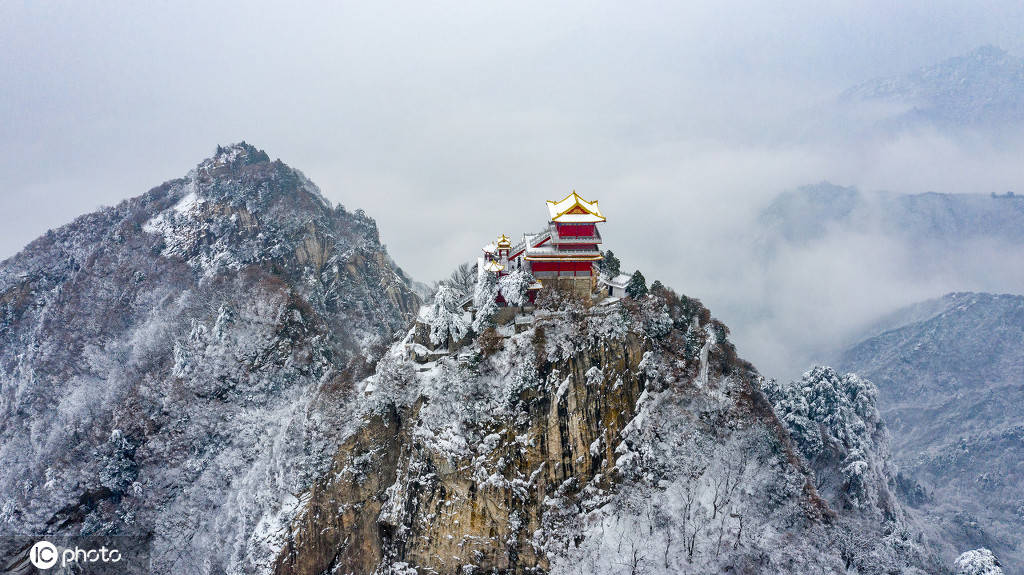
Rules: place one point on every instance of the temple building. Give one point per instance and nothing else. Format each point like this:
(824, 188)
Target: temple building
(564, 253)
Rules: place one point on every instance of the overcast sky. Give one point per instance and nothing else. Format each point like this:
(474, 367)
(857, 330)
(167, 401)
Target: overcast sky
(452, 122)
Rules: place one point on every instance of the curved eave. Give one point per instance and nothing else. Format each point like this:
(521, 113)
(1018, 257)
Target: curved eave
(581, 219)
(564, 206)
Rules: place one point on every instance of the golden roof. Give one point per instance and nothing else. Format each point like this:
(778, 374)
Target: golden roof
(504, 241)
(574, 209)
(493, 266)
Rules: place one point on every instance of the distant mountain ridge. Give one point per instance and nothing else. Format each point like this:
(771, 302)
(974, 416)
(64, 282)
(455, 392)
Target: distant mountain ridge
(809, 212)
(984, 87)
(980, 91)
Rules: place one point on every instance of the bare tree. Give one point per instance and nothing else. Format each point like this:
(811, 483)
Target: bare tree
(463, 277)
(634, 559)
(724, 487)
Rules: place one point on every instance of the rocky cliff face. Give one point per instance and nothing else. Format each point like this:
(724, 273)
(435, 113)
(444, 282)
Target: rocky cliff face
(178, 366)
(624, 437)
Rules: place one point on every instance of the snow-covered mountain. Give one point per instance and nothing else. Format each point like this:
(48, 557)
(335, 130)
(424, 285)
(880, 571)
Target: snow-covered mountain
(950, 374)
(981, 89)
(229, 367)
(177, 367)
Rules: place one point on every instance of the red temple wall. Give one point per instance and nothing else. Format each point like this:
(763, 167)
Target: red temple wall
(561, 266)
(570, 230)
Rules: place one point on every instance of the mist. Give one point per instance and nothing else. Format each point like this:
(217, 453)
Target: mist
(451, 123)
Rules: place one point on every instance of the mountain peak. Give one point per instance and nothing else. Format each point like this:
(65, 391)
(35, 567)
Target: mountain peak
(242, 175)
(239, 207)
(237, 153)
(218, 321)
(230, 161)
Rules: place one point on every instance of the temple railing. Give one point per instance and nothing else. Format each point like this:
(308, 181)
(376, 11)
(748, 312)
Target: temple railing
(522, 245)
(568, 274)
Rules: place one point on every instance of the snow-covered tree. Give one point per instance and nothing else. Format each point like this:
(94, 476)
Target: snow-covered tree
(484, 299)
(486, 287)
(485, 317)
(514, 286)
(637, 286)
(609, 265)
(445, 317)
(656, 319)
(119, 469)
(977, 562)
(834, 420)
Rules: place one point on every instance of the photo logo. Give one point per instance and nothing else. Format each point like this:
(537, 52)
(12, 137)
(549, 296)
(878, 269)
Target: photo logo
(43, 555)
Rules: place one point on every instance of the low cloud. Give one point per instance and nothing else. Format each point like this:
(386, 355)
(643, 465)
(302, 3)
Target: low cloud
(450, 124)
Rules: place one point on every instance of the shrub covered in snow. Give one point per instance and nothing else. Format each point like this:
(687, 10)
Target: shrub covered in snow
(977, 562)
